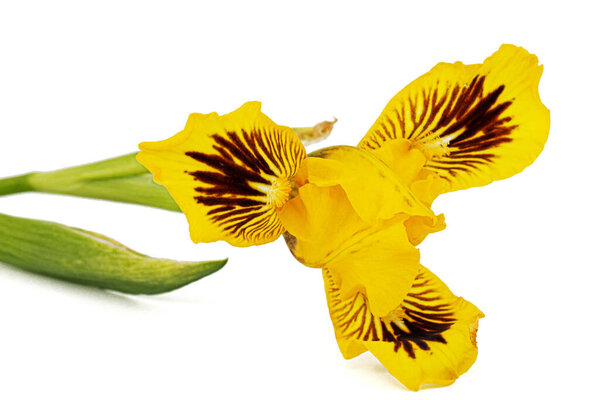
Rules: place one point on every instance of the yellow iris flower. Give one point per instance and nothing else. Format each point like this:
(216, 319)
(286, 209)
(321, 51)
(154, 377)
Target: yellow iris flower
(359, 212)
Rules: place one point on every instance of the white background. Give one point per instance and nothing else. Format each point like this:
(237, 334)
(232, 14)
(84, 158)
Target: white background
(81, 82)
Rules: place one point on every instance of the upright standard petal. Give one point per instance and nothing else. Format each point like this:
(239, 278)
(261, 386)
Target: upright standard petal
(473, 123)
(228, 174)
(430, 338)
(377, 260)
(320, 224)
(364, 193)
(375, 193)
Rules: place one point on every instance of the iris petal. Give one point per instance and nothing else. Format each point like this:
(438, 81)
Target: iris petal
(474, 123)
(430, 338)
(418, 227)
(320, 224)
(378, 260)
(228, 174)
(374, 191)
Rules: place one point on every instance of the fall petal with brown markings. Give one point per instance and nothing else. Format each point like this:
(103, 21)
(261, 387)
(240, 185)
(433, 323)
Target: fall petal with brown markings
(473, 123)
(228, 174)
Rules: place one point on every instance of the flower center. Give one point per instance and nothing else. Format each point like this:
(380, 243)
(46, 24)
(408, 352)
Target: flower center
(279, 192)
(397, 316)
(433, 148)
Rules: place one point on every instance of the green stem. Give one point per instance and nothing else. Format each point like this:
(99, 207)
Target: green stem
(120, 179)
(15, 184)
(112, 168)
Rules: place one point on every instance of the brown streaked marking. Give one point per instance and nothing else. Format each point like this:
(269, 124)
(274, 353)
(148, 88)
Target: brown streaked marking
(233, 179)
(471, 121)
(423, 321)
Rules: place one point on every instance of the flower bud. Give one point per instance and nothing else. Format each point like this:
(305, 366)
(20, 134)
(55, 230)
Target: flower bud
(91, 259)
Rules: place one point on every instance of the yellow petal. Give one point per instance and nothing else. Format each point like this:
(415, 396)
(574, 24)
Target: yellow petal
(418, 227)
(405, 160)
(382, 265)
(321, 223)
(324, 231)
(349, 348)
(372, 188)
(474, 123)
(427, 186)
(228, 174)
(429, 339)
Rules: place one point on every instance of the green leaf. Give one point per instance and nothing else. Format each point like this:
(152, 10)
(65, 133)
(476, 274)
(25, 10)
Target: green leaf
(91, 259)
